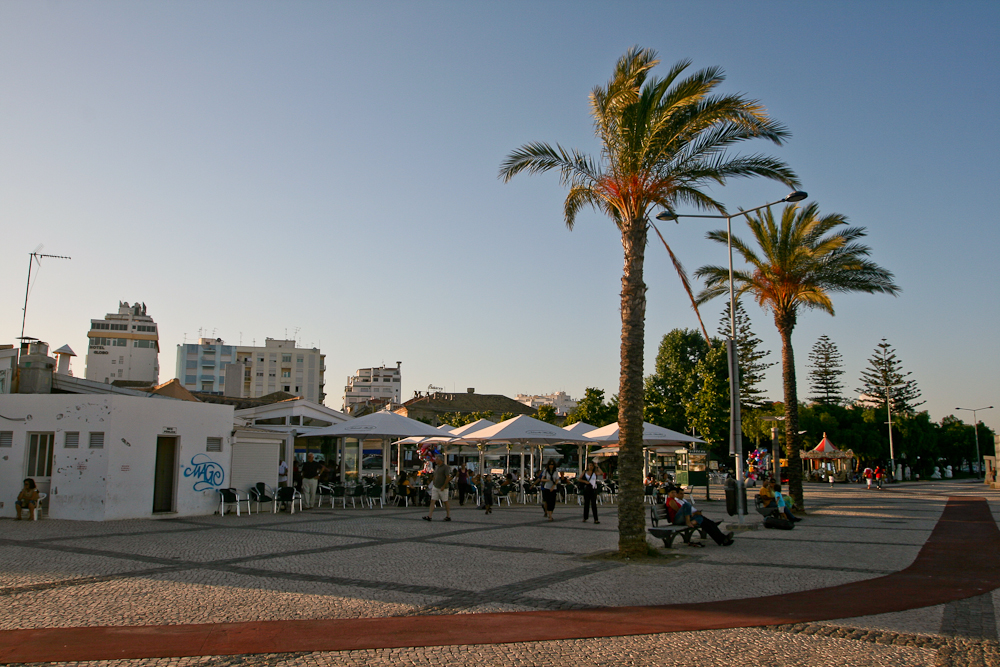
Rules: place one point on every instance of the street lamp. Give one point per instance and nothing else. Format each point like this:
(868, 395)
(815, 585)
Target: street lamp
(975, 431)
(735, 425)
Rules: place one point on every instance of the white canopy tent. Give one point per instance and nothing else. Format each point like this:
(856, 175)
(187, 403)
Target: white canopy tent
(580, 428)
(654, 438)
(525, 431)
(383, 426)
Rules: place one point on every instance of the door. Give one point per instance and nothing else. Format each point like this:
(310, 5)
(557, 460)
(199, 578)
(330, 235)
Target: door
(40, 460)
(165, 475)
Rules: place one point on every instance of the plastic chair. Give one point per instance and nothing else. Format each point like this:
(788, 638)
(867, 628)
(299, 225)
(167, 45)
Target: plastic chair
(338, 494)
(262, 493)
(504, 494)
(357, 493)
(289, 495)
(374, 493)
(38, 505)
(324, 491)
(232, 497)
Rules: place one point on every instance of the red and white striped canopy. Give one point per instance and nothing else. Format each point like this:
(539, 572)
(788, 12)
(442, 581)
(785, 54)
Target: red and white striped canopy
(825, 446)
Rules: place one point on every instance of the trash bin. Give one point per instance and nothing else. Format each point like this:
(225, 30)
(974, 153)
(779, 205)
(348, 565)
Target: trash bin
(731, 502)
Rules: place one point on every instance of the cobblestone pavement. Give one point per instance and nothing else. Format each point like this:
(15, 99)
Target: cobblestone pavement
(356, 563)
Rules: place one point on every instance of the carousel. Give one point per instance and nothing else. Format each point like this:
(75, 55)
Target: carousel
(825, 460)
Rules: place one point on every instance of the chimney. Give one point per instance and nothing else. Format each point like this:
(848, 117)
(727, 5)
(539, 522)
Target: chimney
(471, 390)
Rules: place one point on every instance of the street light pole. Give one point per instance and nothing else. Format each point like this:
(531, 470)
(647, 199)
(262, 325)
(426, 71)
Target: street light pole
(735, 421)
(975, 431)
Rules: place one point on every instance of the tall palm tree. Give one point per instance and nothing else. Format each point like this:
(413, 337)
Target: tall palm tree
(800, 263)
(662, 141)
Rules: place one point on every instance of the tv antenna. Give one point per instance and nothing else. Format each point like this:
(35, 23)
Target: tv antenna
(36, 256)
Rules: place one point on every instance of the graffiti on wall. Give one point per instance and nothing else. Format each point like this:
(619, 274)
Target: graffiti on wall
(207, 473)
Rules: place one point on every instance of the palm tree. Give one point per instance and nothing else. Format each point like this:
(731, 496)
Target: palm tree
(799, 265)
(662, 141)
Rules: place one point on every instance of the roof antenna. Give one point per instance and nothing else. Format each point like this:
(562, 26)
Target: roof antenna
(35, 256)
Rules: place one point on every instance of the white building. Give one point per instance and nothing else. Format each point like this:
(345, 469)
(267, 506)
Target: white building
(124, 346)
(8, 366)
(559, 400)
(250, 372)
(382, 384)
(102, 452)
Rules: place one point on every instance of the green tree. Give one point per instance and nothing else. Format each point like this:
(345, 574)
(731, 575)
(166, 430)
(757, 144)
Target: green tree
(707, 409)
(662, 142)
(750, 356)
(885, 375)
(546, 413)
(825, 361)
(669, 388)
(801, 262)
(462, 418)
(591, 409)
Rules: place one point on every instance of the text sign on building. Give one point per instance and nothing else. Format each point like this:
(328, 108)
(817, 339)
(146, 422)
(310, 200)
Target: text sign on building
(170, 430)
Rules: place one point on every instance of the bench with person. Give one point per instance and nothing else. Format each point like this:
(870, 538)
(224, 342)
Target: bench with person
(668, 531)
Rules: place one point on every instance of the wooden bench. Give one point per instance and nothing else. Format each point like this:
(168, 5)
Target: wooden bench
(667, 532)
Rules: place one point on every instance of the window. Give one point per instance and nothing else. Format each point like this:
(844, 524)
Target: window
(191, 363)
(113, 362)
(295, 420)
(142, 343)
(287, 388)
(121, 359)
(97, 440)
(260, 374)
(40, 455)
(270, 375)
(286, 373)
(119, 342)
(286, 358)
(298, 359)
(99, 325)
(213, 445)
(72, 440)
(6, 438)
(190, 379)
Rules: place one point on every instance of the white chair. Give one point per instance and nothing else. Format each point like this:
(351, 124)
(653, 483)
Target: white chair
(38, 505)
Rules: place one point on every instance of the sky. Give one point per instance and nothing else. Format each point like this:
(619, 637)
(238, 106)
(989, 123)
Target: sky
(328, 171)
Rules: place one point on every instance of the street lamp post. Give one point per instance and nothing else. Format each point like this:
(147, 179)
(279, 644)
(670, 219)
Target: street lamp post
(735, 421)
(975, 431)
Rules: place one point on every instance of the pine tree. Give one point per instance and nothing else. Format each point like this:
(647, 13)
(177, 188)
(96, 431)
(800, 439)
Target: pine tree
(752, 366)
(884, 372)
(825, 362)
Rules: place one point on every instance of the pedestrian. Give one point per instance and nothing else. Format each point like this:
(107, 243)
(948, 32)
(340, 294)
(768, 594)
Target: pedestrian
(879, 474)
(487, 493)
(283, 473)
(463, 483)
(830, 478)
(439, 488)
(589, 487)
(310, 480)
(550, 485)
(869, 475)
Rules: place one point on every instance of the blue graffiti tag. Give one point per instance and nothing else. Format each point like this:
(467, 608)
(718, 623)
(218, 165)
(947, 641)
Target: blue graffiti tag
(207, 473)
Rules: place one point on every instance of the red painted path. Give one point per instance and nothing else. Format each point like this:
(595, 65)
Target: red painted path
(959, 560)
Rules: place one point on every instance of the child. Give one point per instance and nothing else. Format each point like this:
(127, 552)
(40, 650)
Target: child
(488, 494)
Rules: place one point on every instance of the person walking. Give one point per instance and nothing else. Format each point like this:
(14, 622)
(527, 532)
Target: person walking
(310, 480)
(869, 475)
(550, 486)
(439, 488)
(462, 483)
(589, 484)
(283, 473)
(879, 474)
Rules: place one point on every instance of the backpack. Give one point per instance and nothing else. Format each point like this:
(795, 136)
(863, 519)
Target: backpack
(778, 522)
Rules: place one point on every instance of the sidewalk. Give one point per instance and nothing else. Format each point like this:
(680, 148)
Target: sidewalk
(363, 580)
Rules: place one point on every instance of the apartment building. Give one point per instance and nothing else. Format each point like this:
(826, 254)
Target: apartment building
(124, 346)
(250, 372)
(381, 384)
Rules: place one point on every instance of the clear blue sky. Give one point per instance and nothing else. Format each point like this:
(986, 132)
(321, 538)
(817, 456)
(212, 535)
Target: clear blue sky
(253, 168)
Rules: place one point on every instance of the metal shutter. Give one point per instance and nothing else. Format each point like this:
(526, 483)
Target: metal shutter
(254, 462)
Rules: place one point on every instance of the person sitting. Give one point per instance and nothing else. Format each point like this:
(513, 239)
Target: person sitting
(681, 512)
(769, 500)
(782, 506)
(27, 499)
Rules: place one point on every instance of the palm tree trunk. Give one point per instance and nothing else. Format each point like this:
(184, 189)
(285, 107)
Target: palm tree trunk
(785, 323)
(631, 517)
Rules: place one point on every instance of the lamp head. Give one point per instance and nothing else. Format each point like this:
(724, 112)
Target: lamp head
(793, 197)
(666, 215)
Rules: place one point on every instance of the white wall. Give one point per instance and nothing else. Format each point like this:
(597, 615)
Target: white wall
(116, 482)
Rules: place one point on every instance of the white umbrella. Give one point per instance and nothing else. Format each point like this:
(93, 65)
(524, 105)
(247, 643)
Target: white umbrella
(651, 435)
(524, 430)
(381, 425)
(579, 428)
